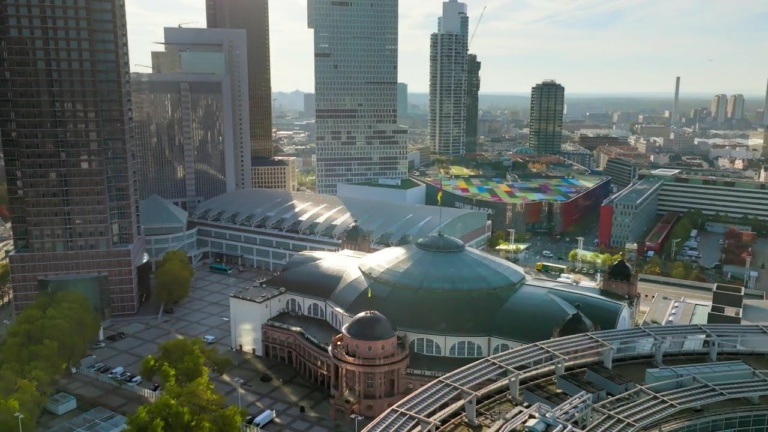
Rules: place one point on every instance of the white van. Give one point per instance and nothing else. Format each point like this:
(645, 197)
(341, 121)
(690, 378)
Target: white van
(116, 372)
(547, 254)
(209, 339)
(262, 419)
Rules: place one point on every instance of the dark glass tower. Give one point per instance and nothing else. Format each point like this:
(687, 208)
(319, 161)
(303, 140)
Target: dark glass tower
(546, 126)
(253, 16)
(473, 109)
(65, 127)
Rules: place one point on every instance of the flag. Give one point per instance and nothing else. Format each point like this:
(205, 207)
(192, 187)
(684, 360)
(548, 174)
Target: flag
(440, 195)
(370, 293)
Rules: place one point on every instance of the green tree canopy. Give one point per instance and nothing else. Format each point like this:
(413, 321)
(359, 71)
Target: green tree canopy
(573, 255)
(181, 361)
(189, 401)
(46, 338)
(173, 277)
(192, 407)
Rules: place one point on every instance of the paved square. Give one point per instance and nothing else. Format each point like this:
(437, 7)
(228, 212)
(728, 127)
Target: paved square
(201, 314)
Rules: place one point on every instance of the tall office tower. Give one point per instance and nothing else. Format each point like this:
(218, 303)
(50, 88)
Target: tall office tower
(675, 119)
(309, 105)
(66, 132)
(185, 153)
(473, 103)
(546, 125)
(402, 100)
(719, 107)
(765, 110)
(735, 110)
(253, 17)
(448, 80)
(358, 139)
(217, 52)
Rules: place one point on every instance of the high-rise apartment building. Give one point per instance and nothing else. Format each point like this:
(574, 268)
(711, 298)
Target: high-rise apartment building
(735, 110)
(65, 120)
(358, 138)
(184, 148)
(546, 125)
(719, 108)
(448, 80)
(473, 103)
(220, 53)
(402, 100)
(253, 17)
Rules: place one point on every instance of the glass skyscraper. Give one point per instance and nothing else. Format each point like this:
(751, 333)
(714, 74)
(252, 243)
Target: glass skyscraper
(546, 125)
(358, 138)
(65, 125)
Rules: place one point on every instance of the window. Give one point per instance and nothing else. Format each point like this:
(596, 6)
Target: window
(426, 346)
(500, 348)
(369, 381)
(465, 349)
(316, 311)
(294, 306)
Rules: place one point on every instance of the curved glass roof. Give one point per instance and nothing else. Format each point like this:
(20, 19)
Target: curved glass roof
(325, 215)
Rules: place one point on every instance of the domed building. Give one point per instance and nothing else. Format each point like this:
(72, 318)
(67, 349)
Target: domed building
(392, 320)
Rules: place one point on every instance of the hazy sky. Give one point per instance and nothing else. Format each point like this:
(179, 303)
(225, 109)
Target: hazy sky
(590, 46)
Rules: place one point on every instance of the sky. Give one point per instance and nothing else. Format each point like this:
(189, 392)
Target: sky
(590, 46)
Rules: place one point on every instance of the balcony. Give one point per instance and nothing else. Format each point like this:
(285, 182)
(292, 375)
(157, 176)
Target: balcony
(337, 351)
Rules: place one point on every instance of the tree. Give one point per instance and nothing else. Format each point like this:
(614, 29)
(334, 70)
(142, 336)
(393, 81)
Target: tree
(573, 255)
(653, 267)
(189, 400)
(679, 270)
(606, 260)
(173, 277)
(48, 335)
(497, 239)
(192, 407)
(181, 361)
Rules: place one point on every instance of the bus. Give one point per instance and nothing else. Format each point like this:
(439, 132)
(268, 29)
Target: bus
(220, 268)
(551, 268)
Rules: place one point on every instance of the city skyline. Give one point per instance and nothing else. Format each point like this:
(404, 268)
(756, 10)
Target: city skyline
(594, 47)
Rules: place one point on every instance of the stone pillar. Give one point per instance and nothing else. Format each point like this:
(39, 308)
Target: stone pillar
(658, 348)
(470, 408)
(608, 357)
(713, 350)
(514, 386)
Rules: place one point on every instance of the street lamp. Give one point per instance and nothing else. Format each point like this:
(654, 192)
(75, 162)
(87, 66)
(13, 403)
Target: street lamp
(356, 418)
(19, 416)
(674, 243)
(238, 381)
(511, 240)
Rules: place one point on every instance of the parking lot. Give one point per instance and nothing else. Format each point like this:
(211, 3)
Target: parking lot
(206, 312)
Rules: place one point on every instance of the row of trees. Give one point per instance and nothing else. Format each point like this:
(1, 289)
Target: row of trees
(173, 277)
(188, 401)
(47, 338)
(678, 269)
(599, 260)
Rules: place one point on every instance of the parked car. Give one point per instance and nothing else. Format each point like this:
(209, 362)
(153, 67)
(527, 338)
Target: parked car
(120, 335)
(96, 367)
(135, 381)
(155, 387)
(265, 378)
(127, 377)
(104, 369)
(98, 345)
(116, 372)
(209, 339)
(123, 376)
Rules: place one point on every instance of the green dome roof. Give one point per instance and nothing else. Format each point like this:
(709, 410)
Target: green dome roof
(439, 263)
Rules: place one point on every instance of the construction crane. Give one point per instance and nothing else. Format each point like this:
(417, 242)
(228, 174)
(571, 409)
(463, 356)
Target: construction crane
(476, 26)
(185, 23)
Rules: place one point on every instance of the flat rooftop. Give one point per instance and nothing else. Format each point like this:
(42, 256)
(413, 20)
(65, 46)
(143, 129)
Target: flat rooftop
(405, 184)
(635, 193)
(557, 189)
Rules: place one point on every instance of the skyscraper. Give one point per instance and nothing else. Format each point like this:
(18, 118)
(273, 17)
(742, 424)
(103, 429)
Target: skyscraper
(402, 100)
(66, 134)
(735, 110)
(253, 16)
(358, 139)
(546, 125)
(473, 102)
(184, 142)
(215, 52)
(675, 118)
(719, 108)
(448, 80)
(765, 109)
